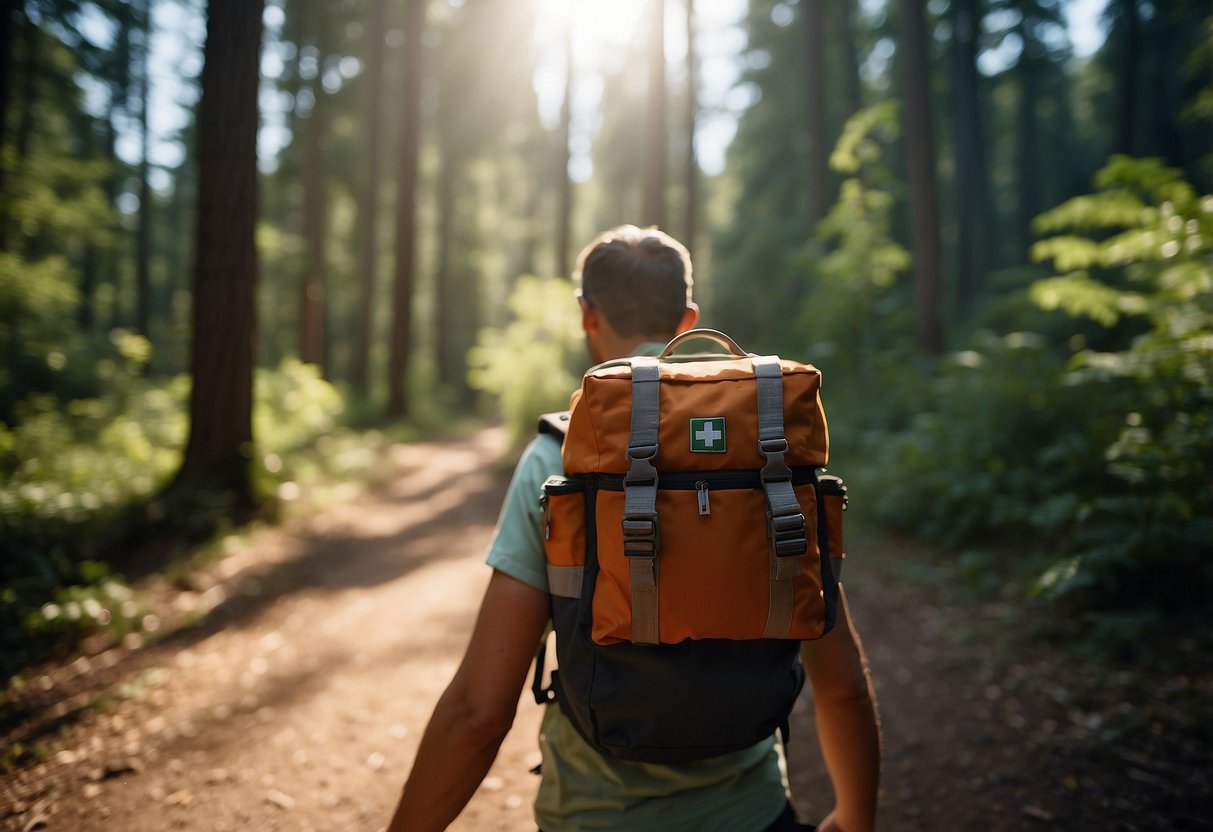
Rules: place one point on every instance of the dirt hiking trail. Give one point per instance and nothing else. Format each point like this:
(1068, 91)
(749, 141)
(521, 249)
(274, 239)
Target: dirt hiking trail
(298, 702)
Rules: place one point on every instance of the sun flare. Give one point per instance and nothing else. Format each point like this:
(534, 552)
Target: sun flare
(601, 29)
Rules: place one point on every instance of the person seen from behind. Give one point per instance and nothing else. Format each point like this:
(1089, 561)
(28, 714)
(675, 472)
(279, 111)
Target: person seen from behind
(635, 295)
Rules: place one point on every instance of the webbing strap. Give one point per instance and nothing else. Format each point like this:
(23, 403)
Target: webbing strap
(565, 581)
(641, 536)
(785, 520)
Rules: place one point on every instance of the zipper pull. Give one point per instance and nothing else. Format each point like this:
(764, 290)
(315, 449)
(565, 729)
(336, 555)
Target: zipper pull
(547, 517)
(701, 488)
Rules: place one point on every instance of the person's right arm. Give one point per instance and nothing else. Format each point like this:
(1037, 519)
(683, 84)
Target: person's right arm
(847, 723)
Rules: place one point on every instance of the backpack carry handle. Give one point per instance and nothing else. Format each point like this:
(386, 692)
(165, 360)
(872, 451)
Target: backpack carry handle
(707, 334)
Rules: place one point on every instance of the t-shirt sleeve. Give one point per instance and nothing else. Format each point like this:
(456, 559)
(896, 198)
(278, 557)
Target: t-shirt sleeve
(517, 547)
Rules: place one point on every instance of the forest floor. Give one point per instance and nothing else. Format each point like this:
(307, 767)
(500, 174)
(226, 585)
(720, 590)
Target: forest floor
(297, 701)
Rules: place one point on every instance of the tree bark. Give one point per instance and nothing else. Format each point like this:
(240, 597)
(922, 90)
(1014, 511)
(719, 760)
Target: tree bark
(315, 226)
(120, 100)
(1028, 138)
(444, 289)
(692, 115)
(973, 206)
(818, 154)
(564, 184)
(406, 211)
(218, 455)
(8, 13)
(364, 330)
(851, 83)
(143, 255)
(655, 146)
(1126, 99)
(920, 165)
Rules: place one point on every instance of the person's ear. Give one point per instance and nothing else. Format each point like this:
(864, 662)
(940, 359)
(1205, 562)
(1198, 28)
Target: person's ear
(689, 318)
(589, 315)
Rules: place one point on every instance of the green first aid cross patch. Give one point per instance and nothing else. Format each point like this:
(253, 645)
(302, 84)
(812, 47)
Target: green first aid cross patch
(707, 435)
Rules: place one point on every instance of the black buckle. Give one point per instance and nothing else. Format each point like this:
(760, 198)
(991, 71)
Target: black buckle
(773, 446)
(787, 534)
(641, 536)
(776, 470)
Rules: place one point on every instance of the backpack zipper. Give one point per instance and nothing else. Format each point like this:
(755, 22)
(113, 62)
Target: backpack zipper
(699, 480)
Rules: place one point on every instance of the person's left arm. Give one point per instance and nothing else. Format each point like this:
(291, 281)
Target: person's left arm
(475, 713)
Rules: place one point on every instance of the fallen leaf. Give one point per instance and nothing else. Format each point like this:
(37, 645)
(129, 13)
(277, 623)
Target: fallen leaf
(280, 799)
(1037, 813)
(181, 797)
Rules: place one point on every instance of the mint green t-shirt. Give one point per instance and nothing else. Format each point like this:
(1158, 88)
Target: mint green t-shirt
(580, 788)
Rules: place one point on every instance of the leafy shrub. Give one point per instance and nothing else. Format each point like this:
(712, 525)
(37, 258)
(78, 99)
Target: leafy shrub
(76, 472)
(534, 363)
(856, 305)
(1141, 249)
(1085, 437)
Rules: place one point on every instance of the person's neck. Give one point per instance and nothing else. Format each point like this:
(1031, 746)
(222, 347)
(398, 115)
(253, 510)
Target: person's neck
(623, 347)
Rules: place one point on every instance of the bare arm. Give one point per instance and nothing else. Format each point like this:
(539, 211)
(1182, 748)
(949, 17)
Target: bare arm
(847, 724)
(475, 713)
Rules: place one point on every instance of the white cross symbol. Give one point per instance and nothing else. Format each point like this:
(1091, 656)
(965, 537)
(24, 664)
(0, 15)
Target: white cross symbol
(708, 435)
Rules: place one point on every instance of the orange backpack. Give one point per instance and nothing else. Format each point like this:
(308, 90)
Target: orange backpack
(690, 545)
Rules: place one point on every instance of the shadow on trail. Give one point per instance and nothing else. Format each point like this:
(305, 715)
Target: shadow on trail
(430, 524)
(425, 516)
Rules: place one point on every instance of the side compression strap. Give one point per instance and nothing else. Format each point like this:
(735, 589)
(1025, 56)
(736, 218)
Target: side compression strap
(785, 521)
(641, 536)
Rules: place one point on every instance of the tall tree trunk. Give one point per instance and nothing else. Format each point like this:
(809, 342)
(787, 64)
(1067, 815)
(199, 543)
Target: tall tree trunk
(29, 87)
(564, 184)
(1168, 97)
(143, 255)
(91, 262)
(1028, 139)
(8, 13)
(25, 115)
(1126, 83)
(655, 145)
(973, 206)
(176, 259)
(852, 86)
(364, 329)
(120, 101)
(444, 290)
(813, 18)
(920, 165)
(406, 211)
(692, 115)
(315, 225)
(218, 455)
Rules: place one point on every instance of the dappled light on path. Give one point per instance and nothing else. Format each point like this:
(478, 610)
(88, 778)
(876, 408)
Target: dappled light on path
(298, 702)
(300, 706)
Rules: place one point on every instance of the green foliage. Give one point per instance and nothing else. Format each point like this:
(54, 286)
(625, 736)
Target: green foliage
(979, 453)
(36, 354)
(293, 406)
(854, 321)
(532, 365)
(1146, 531)
(102, 601)
(1084, 437)
(70, 471)
(853, 301)
(76, 474)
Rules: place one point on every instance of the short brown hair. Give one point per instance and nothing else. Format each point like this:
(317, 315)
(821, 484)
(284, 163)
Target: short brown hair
(640, 278)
